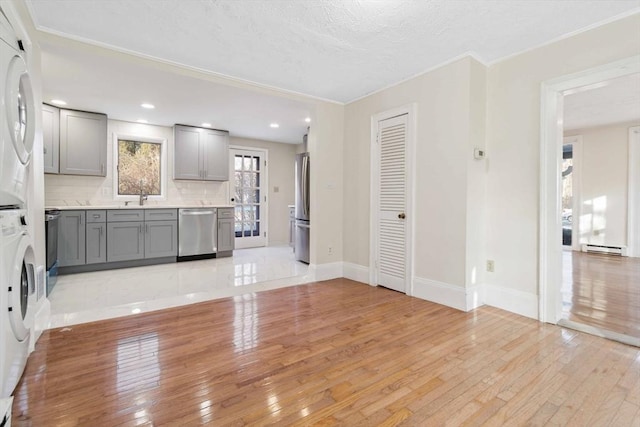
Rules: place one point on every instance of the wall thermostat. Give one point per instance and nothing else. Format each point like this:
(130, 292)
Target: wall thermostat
(479, 153)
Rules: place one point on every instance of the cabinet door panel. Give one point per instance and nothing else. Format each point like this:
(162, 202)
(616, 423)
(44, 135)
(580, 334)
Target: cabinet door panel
(96, 243)
(71, 238)
(215, 146)
(83, 143)
(125, 241)
(161, 239)
(187, 163)
(51, 138)
(226, 235)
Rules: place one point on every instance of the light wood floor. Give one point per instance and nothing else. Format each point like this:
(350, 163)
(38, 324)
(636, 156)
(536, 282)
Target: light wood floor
(602, 291)
(329, 353)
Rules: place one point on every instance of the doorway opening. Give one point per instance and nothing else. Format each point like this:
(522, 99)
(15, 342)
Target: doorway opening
(568, 219)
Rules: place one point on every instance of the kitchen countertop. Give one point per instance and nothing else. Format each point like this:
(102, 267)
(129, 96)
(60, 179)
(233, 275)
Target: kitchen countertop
(134, 206)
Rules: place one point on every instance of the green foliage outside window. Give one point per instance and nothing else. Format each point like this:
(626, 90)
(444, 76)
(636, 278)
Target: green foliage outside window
(139, 168)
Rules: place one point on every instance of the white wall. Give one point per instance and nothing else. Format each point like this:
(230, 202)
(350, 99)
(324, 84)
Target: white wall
(467, 211)
(604, 184)
(281, 169)
(513, 141)
(448, 216)
(325, 145)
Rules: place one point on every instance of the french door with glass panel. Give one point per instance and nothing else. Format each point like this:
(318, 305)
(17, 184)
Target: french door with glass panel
(248, 185)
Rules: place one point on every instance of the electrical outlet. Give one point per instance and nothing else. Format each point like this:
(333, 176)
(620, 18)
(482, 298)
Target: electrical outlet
(330, 250)
(490, 266)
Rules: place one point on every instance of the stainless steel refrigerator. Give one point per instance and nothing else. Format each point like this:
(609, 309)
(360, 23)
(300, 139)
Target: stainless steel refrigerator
(303, 219)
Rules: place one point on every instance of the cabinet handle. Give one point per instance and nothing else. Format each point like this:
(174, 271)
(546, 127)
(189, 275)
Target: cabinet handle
(140, 228)
(101, 230)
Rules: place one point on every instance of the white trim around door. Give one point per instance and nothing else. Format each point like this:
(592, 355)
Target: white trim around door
(255, 216)
(410, 110)
(633, 207)
(550, 224)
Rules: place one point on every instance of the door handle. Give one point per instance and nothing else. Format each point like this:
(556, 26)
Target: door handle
(402, 215)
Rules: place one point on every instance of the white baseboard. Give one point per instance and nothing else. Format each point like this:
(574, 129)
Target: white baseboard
(475, 297)
(332, 270)
(440, 292)
(356, 272)
(522, 303)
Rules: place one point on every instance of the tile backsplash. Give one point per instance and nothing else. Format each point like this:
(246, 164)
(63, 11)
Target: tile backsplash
(70, 190)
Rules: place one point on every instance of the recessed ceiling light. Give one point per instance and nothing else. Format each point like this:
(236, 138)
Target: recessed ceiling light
(207, 125)
(142, 121)
(308, 120)
(148, 106)
(274, 125)
(58, 102)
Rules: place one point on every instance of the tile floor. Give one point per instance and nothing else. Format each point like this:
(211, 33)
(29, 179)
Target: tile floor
(87, 297)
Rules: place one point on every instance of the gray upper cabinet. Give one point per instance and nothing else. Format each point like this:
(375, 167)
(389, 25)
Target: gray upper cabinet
(201, 154)
(215, 152)
(71, 238)
(83, 143)
(187, 153)
(51, 138)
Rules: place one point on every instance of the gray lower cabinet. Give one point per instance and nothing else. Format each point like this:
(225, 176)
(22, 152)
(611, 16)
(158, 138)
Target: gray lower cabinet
(83, 143)
(96, 243)
(125, 241)
(141, 234)
(96, 236)
(160, 239)
(226, 230)
(201, 154)
(51, 138)
(71, 238)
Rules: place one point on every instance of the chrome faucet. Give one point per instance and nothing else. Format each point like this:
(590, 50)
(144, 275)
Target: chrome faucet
(143, 195)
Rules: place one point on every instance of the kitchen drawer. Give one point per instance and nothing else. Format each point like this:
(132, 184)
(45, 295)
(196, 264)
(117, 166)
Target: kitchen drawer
(225, 212)
(96, 216)
(120, 215)
(160, 214)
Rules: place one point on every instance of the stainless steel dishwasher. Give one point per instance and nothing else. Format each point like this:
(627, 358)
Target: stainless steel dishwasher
(197, 233)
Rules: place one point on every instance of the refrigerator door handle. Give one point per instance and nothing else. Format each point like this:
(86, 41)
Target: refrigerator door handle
(305, 186)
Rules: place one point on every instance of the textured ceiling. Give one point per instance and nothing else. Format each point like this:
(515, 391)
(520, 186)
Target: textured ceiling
(612, 101)
(336, 50)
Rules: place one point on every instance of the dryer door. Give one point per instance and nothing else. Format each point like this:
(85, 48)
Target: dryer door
(21, 282)
(20, 108)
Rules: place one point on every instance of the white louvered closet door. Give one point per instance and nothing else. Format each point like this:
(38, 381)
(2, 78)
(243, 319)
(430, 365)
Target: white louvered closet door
(392, 190)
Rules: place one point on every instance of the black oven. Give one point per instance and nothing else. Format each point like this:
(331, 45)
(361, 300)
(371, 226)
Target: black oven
(51, 217)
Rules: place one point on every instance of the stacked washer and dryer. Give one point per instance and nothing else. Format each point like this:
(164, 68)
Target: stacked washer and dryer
(17, 261)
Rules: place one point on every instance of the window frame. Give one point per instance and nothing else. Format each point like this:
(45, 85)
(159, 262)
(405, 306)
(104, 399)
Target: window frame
(163, 165)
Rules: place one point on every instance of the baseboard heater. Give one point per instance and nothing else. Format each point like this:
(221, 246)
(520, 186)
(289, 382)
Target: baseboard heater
(601, 249)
